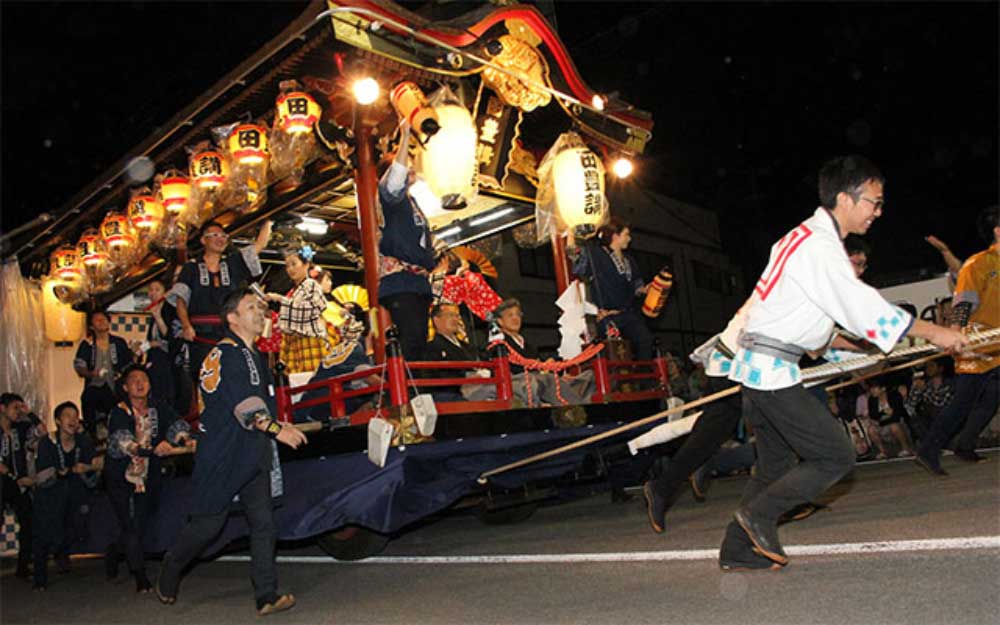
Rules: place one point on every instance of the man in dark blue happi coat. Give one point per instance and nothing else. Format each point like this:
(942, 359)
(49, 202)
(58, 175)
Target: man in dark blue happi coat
(235, 455)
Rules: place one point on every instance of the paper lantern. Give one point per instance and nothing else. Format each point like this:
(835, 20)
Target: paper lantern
(248, 144)
(96, 261)
(62, 323)
(578, 176)
(119, 238)
(209, 169)
(145, 213)
(448, 163)
(175, 190)
(297, 112)
(66, 275)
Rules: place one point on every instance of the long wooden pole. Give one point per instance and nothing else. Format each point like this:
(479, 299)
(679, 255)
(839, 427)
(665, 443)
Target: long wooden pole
(618, 430)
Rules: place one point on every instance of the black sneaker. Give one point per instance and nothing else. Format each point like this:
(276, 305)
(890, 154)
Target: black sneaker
(763, 535)
(969, 456)
(931, 465)
(656, 508)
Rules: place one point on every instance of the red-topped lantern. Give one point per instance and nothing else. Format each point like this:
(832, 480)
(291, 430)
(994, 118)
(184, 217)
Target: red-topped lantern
(119, 238)
(209, 169)
(145, 212)
(248, 144)
(91, 249)
(297, 112)
(175, 191)
(65, 264)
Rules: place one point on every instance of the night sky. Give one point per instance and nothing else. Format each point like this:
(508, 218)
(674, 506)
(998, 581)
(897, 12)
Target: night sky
(748, 100)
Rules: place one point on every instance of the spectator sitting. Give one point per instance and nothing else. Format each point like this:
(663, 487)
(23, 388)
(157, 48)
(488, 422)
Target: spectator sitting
(928, 395)
(886, 406)
(573, 389)
(346, 356)
(100, 359)
(14, 475)
(63, 480)
(447, 346)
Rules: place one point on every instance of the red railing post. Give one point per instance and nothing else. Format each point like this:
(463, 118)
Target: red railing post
(505, 385)
(602, 379)
(337, 408)
(662, 371)
(395, 369)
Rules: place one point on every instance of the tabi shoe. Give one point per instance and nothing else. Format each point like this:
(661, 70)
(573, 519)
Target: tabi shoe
(700, 480)
(968, 455)
(763, 535)
(166, 585)
(275, 603)
(142, 584)
(656, 508)
(931, 465)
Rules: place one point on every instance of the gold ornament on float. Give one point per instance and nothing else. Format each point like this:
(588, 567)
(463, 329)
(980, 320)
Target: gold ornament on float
(526, 64)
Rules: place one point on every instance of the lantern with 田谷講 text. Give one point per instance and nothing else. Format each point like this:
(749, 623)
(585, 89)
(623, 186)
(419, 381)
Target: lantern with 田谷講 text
(209, 169)
(145, 213)
(119, 239)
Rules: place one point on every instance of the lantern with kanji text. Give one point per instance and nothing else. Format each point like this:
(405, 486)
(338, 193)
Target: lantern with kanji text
(578, 175)
(297, 112)
(66, 275)
(120, 239)
(145, 213)
(175, 191)
(96, 262)
(248, 144)
(209, 169)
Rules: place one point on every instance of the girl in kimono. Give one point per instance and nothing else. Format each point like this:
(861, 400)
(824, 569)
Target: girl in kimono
(64, 478)
(304, 337)
(142, 432)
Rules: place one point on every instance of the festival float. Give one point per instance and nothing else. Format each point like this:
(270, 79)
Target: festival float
(509, 136)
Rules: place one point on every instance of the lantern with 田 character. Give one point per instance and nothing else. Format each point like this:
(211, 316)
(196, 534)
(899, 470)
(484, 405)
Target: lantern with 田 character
(248, 144)
(209, 169)
(119, 238)
(297, 112)
(96, 262)
(578, 175)
(175, 191)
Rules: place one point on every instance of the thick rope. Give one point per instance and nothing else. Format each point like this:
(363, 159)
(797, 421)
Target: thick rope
(553, 367)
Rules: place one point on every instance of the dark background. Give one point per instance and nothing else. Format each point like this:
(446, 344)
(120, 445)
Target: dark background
(748, 100)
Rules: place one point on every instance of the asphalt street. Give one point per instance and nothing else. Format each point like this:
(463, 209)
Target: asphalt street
(896, 546)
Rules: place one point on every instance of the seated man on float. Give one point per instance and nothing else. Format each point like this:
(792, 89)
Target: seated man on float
(346, 356)
(573, 389)
(447, 346)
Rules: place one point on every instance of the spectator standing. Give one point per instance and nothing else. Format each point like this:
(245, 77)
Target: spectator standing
(14, 476)
(100, 359)
(158, 344)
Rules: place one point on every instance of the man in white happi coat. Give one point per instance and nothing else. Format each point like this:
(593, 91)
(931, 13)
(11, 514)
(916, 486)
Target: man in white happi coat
(808, 287)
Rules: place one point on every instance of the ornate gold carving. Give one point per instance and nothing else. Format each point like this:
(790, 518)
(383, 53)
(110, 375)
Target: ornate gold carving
(525, 63)
(524, 163)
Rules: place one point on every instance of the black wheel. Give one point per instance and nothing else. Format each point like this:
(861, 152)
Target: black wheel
(352, 543)
(507, 515)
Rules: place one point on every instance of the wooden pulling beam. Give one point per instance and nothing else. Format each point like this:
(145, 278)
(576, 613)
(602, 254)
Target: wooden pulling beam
(483, 477)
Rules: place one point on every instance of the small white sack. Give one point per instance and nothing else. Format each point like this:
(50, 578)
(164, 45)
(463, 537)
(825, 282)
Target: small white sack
(425, 412)
(663, 433)
(379, 440)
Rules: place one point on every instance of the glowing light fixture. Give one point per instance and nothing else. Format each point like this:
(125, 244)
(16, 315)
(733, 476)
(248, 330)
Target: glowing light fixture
(485, 219)
(598, 102)
(312, 225)
(622, 167)
(145, 212)
(365, 90)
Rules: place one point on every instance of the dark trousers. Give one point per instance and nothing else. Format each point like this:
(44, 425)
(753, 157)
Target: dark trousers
(161, 376)
(633, 329)
(20, 503)
(56, 514)
(133, 511)
(714, 427)
(96, 403)
(201, 530)
(409, 312)
(974, 404)
(802, 450)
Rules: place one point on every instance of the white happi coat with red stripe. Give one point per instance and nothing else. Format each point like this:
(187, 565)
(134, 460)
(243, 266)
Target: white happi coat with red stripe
(809, 286)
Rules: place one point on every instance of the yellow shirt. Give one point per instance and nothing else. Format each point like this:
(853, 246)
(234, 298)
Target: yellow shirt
(979, 285)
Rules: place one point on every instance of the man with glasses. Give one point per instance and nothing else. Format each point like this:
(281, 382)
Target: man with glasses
(205, 282)
(807, 288)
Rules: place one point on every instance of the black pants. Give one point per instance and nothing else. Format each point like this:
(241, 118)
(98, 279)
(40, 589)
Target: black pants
(161, 376)
(712, 428)
(633, 329)
(133, 511)
(201, 530)
(96, 403)
(409, 312)
(58, 523)
(802, 450)
(974, 404)
(20, 503)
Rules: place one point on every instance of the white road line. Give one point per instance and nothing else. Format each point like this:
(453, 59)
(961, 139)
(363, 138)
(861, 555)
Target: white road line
(836, 549)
